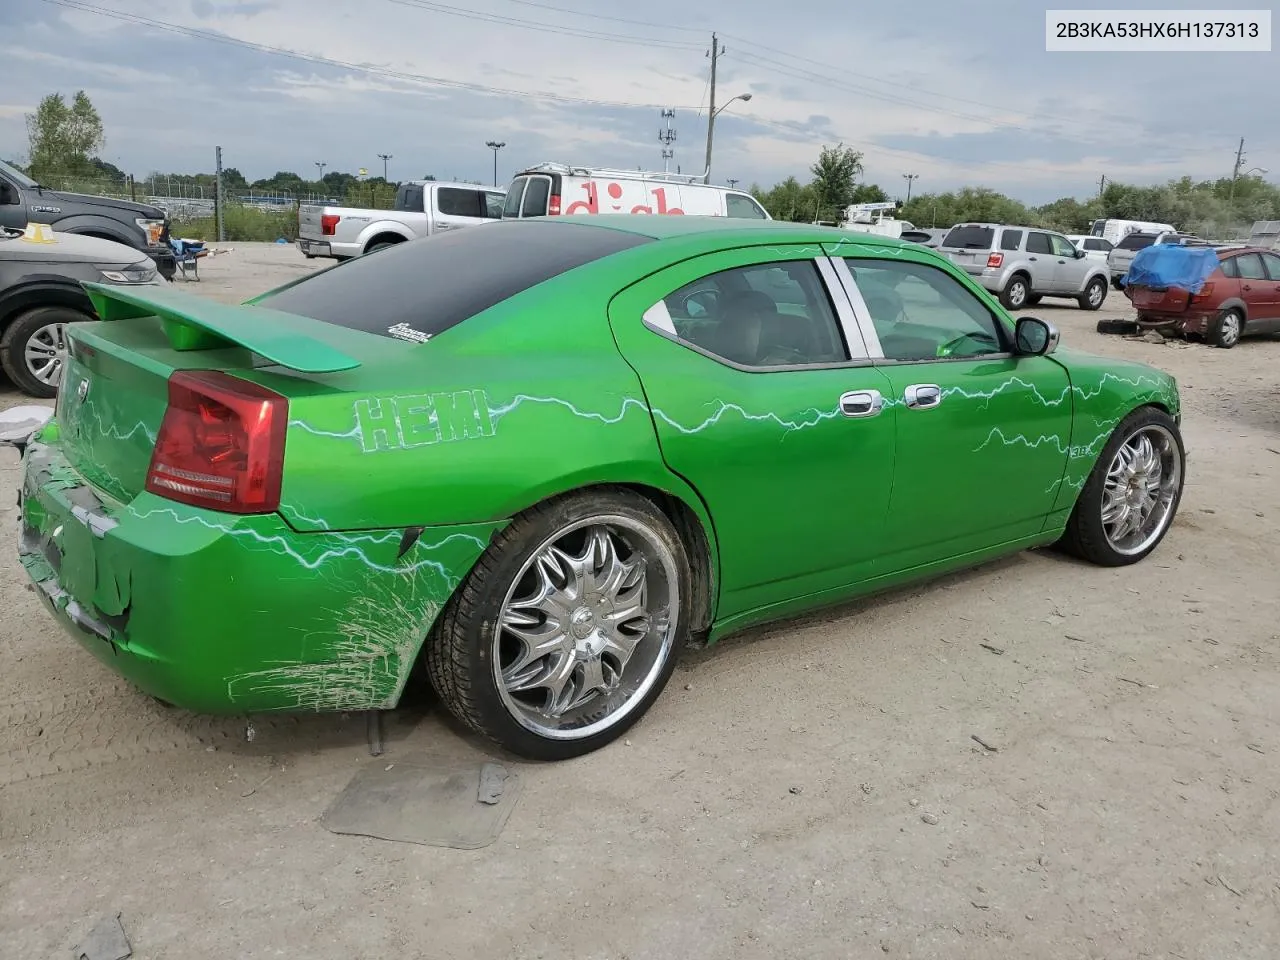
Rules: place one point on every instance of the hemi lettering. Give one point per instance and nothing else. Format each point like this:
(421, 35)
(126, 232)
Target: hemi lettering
(375, 425)
(418, 421)
(464, 415)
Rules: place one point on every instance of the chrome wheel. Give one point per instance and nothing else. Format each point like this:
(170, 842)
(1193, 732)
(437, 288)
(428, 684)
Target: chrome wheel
(1097, 293)
(587, 627)
(46, 353)
(1141, 489)
(1017, 294)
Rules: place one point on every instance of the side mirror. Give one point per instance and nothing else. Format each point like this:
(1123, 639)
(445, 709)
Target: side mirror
(1080, 254)
(1034, 337)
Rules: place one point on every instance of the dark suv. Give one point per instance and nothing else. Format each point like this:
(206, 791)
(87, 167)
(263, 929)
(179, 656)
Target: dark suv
(138, 225)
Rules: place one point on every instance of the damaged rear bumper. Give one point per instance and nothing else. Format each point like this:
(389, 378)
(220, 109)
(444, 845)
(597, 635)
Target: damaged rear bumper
(234, 614)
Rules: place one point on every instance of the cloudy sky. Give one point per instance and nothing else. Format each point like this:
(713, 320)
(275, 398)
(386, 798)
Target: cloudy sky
(959, 93)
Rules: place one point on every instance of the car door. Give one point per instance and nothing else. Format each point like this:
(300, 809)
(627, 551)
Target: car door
(764, 399)
(457, 207)
(13, 209)
(1070, 266)
(983, 434)
(1271, 263)
(1040, 261)
(1255, 291)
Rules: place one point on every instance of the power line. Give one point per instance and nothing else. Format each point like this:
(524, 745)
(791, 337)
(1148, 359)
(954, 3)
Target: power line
(432, 7)
(424, 79)
(603, 16)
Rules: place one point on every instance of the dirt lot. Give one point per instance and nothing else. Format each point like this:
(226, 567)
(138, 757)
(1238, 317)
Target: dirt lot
(811, 790)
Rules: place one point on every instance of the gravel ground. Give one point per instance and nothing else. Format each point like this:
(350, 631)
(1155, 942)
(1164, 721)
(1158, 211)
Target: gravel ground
(808, 790)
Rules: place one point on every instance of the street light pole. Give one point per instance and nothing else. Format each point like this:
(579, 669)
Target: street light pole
(321, 166)
(711, 124)
(384, 157)
(495, 146)
(909, 177)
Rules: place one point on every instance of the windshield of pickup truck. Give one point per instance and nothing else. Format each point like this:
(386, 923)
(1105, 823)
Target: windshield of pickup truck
(20, 178)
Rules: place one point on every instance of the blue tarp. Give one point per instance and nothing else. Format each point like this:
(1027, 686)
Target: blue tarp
(1164, 265)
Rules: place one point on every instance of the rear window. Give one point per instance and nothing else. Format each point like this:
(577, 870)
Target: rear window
(512, 206)
(1136, 241)
(535, 197)
(970, 238)
(432, 284)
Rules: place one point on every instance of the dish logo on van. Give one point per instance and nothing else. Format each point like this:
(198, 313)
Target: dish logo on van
(615, 192)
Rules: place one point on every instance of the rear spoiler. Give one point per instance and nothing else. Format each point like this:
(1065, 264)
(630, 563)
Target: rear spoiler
(196, 323)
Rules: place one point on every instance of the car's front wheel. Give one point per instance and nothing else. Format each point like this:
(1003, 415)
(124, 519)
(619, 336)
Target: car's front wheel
(1131, 497)
(568, 628)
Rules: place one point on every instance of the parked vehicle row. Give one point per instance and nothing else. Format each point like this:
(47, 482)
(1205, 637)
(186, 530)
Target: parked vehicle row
(423, 208)
(1023, 264)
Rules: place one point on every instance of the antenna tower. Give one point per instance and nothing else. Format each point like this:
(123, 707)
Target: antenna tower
(666, 137)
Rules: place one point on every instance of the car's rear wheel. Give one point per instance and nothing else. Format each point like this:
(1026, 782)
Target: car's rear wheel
(1015, 293)
(33, 349)
(1227, 330)
(1131, 497)
(1094, 294)
(568, 628)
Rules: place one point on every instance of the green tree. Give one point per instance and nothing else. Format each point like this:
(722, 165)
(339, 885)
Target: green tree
(869, 193)
(834, 176)
(62, 139)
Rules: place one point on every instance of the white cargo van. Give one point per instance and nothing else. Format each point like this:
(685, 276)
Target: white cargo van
(556, 189)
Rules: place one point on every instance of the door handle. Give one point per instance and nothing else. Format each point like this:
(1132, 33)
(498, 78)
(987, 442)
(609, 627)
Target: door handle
(861, 403)
(921, 396)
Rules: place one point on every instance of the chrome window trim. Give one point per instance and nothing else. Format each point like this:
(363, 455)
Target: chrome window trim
(862, 316)
(846, 315)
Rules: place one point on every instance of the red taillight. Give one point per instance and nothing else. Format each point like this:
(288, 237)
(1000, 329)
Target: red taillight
(995, 260)
(221, 444)
(329, 224)
(553, 205)
(1205, 292)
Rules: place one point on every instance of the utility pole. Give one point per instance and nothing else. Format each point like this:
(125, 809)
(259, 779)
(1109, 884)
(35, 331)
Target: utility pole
(495, 146)
(1102, 185)
(217, 192)
(666, 138)
(711, 108)
(910, 177)
(384, 157)
(1235, 171)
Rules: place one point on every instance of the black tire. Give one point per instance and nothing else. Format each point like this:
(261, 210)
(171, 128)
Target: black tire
(1115, 283)
(167, 269)
(18, 334)
(1033, 299)
(1096, 288)
(1117, 326)
(1084, 536)
(1015, 293)
(1227, 329)
(375, 247)
(459, 652)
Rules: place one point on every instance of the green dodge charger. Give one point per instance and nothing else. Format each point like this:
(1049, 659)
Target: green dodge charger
(538, 458)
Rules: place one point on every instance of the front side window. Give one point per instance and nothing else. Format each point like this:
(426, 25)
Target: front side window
(922, 313)
(761, 316)
(1061, 246)
(743, 207)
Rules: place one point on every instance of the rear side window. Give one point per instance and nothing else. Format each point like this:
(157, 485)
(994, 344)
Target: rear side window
(1038, 243)
(409, 197)
(970, 238)
(493, 202)
(1250, 266)
(459, 202)
(743, 207)
(1272, 263)
(1136, 241)
(1229, 268)
(536, 195)
(1010, 239)
(511, 208)
(421, 289)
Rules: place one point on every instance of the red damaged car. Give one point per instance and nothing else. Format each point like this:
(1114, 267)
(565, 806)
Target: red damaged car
(1241, 296)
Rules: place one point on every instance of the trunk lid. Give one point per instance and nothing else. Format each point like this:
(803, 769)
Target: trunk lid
(309, 227)
(115, 387)
(1157, 300)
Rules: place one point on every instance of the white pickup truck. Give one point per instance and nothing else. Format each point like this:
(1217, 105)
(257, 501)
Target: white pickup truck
(422, 208)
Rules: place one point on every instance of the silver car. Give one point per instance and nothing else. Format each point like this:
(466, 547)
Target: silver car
(1023, 264)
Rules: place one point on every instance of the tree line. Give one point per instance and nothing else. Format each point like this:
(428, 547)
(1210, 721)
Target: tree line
(1215, 209)
(65, 141)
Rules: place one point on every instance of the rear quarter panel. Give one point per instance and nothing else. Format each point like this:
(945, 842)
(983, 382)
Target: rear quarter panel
(1103, 393)
(518, 404)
